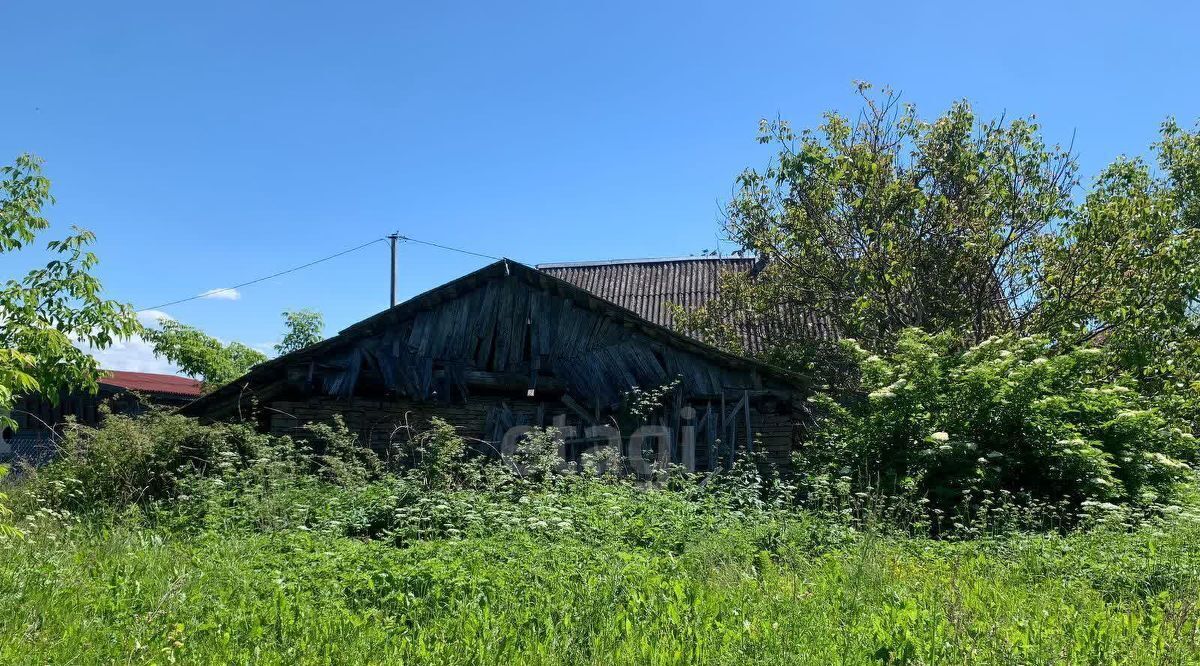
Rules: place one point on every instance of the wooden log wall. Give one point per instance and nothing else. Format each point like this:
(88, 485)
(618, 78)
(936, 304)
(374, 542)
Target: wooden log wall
(484, 420)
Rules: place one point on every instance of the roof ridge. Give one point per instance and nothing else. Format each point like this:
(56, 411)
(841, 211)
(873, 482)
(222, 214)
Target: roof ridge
(648, 260)
(142, 372)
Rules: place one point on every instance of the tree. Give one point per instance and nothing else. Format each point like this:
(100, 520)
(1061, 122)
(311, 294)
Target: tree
(202, 356)
(53, 308)
(1125, 269)
(891, 221)
(304, 328)
(971, 228)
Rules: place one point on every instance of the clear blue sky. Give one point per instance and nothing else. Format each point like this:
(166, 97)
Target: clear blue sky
(217, 142)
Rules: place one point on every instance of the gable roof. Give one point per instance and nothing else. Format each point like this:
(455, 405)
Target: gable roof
(273, 369)
(648, 286)
(151, 382)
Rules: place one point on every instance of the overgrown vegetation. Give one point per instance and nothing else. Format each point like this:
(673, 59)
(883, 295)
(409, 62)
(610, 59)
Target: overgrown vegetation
(159, 540)
(1007, 425)
(1003, 333)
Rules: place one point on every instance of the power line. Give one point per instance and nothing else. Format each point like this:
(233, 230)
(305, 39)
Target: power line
(323, 259)
(446, 247)
(268, 277)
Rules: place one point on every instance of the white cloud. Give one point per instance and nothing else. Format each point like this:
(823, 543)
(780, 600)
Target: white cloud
(134, 354)
(152, 317)
(224, 294)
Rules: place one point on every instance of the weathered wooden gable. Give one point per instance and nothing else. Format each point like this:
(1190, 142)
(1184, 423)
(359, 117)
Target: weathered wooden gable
(512, 326)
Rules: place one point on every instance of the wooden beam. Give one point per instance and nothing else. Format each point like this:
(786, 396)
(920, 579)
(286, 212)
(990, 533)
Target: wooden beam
(575, 407)
(749, 433)
(513, 381)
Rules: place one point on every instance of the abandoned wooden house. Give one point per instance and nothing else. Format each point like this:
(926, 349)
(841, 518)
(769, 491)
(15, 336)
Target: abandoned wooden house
(510, 345)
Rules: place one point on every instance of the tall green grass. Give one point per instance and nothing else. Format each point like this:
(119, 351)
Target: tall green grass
(780, 591)
(163, 542)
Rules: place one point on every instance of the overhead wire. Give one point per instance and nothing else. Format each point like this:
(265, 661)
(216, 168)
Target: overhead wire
(398, 236)
(209, 294)
(446, 247)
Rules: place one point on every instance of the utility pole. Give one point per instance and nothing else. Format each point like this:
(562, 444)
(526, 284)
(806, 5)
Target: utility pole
(393, 238)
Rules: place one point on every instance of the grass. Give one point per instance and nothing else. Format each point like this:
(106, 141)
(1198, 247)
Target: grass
(775, 587)
(163, 541)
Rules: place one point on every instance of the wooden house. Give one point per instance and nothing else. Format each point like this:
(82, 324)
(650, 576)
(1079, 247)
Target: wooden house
(37, 417)
(511, 345)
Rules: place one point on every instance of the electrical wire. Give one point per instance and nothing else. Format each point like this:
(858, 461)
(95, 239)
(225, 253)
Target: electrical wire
(446, 247)
(398, 236)
(208, 294)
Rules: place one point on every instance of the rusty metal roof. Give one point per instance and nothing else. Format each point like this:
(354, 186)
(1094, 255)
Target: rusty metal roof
(150, 382)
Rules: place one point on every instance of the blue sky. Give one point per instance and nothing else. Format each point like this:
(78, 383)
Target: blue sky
(216, 142)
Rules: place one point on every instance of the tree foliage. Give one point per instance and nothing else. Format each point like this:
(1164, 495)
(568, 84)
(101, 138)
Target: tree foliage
(53, 308)
(892, 221)
(304, 328)
(1125, 269)
(969, 226)
(202, 356)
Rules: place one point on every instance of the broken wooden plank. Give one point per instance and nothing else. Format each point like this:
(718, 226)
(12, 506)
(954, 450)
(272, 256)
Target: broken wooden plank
(575, 407)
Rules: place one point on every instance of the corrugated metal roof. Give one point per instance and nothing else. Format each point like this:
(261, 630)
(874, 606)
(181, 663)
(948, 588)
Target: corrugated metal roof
(150, 382)
(647, 286)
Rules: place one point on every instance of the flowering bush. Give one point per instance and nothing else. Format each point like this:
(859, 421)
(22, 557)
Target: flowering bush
(1010, 417)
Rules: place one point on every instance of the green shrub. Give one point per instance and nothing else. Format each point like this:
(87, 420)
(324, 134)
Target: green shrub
(438, 455)
(162, 457)
(7, 530)
(336, 454)
(537, 455)
(1010, 420)
(130, 460)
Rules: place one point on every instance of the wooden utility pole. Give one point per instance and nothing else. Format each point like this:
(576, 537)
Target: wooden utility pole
(393, 238)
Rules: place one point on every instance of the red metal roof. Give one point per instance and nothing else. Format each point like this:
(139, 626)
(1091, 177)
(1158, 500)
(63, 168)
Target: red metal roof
(150, 382)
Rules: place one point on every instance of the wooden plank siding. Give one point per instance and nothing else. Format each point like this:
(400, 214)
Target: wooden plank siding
(505, 328)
